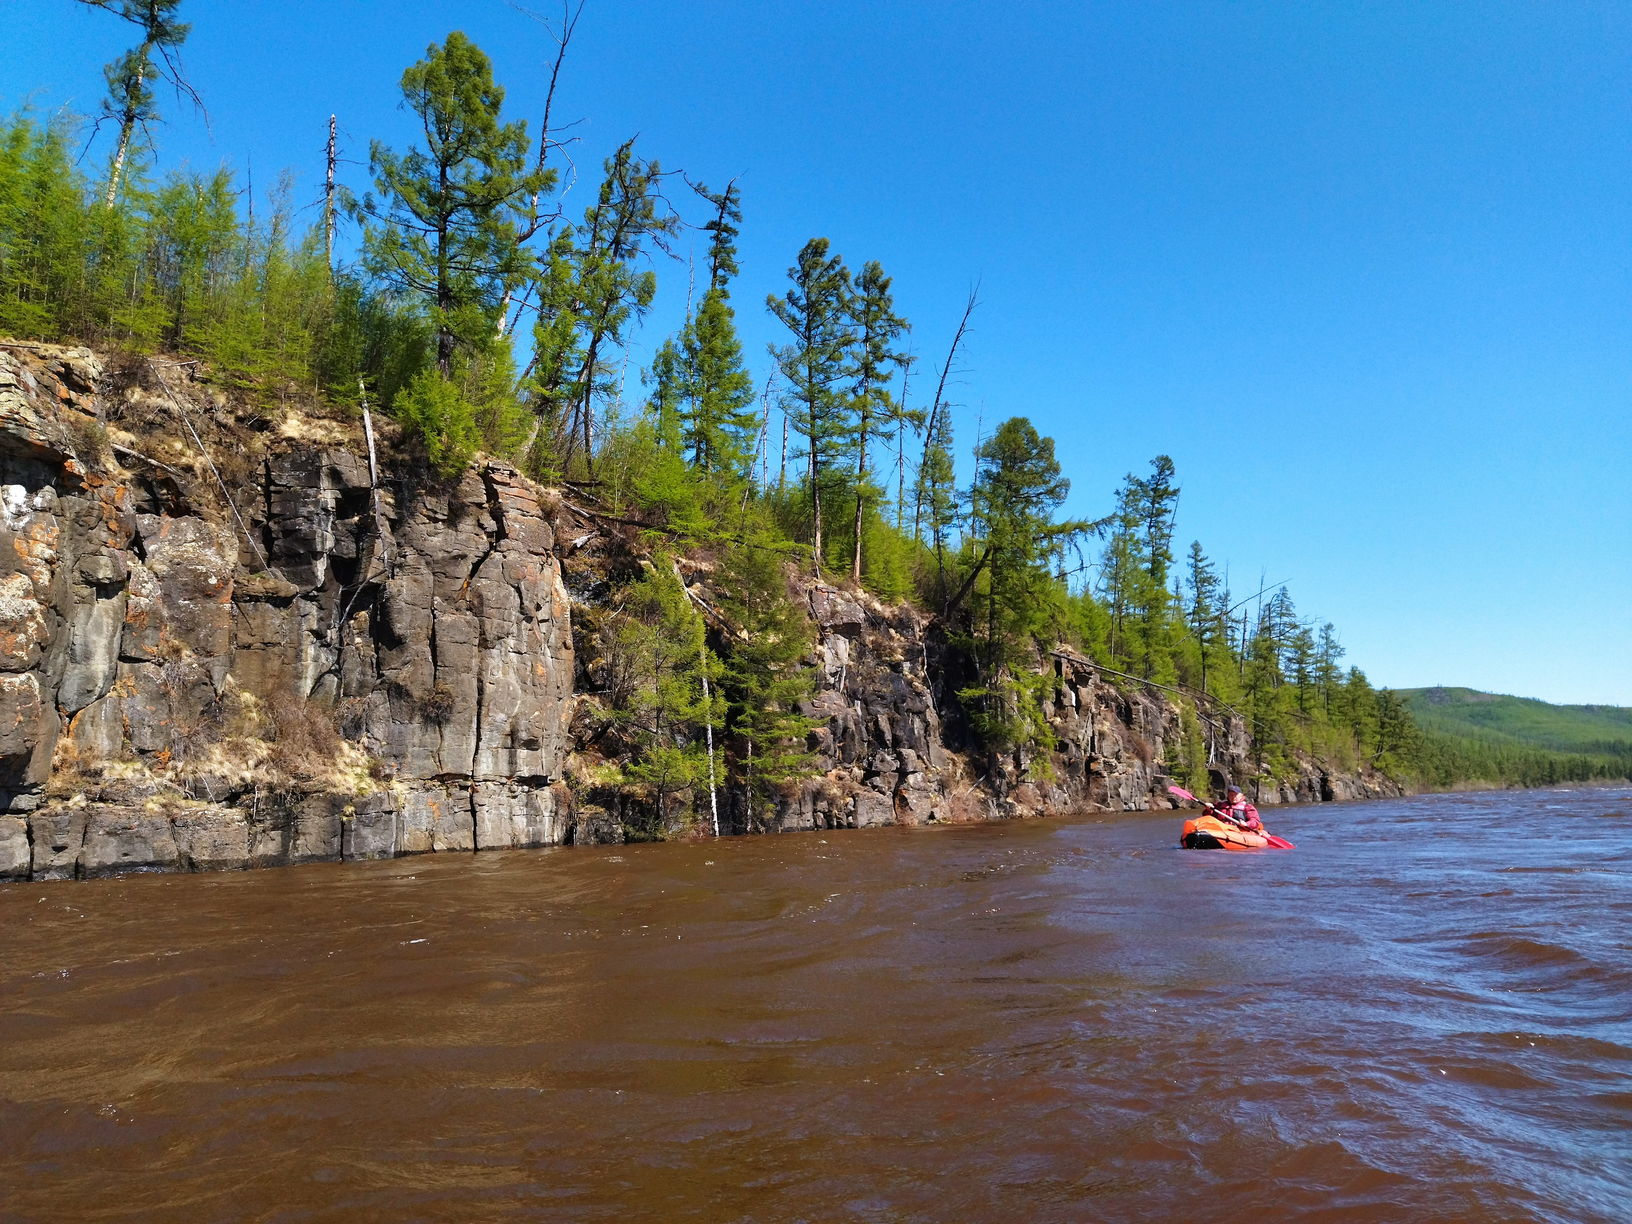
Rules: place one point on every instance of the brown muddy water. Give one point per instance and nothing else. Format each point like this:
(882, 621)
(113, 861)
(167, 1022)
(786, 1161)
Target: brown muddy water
(1424, 1012)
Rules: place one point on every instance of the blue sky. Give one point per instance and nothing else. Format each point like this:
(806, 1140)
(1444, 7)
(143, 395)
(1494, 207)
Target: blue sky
(1364, 271)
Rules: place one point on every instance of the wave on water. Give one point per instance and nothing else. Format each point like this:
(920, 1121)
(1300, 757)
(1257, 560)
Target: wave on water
(1520, 951)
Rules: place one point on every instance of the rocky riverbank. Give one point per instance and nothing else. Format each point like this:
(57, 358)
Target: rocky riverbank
(230, 637)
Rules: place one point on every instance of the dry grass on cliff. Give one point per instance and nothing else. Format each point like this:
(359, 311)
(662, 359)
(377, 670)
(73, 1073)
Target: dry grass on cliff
(284, 743)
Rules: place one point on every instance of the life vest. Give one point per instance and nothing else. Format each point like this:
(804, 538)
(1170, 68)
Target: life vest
(1240, 813)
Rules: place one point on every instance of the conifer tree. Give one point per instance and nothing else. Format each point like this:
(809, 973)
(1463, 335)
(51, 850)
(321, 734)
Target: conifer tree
(42, 225)
(1122, 574)
(670, 386)
(934, 497)
(722, 230)
(558, 349)
(877, 330)
(816, 310)
(905, 422)
(1018, 486)
(720, 421)
(935, 494)
(1204, 611)
(130, 103)
(766, 678)
(719, 418)
(193, 240)
(444, 222)
(602, 294)
(1327, 676)
(660, 704)
(1158, 498)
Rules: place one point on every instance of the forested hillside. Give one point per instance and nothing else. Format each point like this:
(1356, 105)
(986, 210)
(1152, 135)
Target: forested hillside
(486, 314)
(1518, 740)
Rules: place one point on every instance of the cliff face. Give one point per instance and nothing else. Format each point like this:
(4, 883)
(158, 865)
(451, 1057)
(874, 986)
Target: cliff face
(240, 646)
(324, 667)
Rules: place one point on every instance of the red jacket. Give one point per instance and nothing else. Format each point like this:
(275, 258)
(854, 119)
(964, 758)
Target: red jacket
(1240, 813)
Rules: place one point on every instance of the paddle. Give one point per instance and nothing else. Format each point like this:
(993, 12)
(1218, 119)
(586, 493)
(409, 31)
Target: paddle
(1276, 843)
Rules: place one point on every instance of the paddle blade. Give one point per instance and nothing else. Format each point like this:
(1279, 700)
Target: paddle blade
(1181, 793)
(1278, 843)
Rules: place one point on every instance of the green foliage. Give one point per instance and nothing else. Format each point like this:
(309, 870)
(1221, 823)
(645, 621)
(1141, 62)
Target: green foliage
(1188, 759)
(767, 676)
(722, 232)
(1133, 577)
(435, 411)
(1012, 593)
(591, 291)
(1488, 737)
(658, 664)
(816, 311)
(935, 504)
(130, 103)
(718, 418)
(445, 222)
(42, 220)
(875, 358)
(421, 327)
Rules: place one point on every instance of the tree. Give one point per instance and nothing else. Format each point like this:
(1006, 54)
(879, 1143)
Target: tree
(933, 496)
(720, 421)
(193, 238)
(588, 299)
(935, 493)
(41, 229)
(1122, 575)
(129, 103)
(766, 677)
(1158, 502)
(1398, 738)
(719, 418)
(722, 231)
(877, 330)
(1018, 486)
(658, 663)
(444, 224)
(670, 385)
(904, 421)
(816, 310)
(558, 350)
(1205, 610)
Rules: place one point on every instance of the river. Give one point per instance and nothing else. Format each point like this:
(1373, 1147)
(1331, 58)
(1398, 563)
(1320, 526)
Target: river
(1424, 1012)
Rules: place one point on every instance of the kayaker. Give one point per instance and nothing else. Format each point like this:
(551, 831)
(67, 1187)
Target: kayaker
(1238, 811)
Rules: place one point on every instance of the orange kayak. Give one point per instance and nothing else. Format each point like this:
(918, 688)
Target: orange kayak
(1211, 833)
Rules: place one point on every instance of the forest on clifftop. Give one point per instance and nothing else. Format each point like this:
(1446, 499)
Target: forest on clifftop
(459, 292)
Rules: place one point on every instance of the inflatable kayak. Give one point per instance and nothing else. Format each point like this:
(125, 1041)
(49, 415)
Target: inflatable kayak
(1211, 833)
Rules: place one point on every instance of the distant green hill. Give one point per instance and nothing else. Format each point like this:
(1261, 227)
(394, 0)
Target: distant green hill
(1474, 736)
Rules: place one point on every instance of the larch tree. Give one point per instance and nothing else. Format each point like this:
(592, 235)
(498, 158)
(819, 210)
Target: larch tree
(816, 311)
(1158, 496)
(130, 104)
(934, 497)
(444, 222)
(605, 292)
(1018, 487)
(877, 330)
(720, 421)
(1204, 610)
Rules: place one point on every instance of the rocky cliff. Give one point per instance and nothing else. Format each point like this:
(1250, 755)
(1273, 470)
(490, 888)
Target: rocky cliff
(215, 658)
(228, 639)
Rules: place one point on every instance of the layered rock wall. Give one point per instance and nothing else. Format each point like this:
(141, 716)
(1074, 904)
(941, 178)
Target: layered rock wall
(228, 645)
(166, 655)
